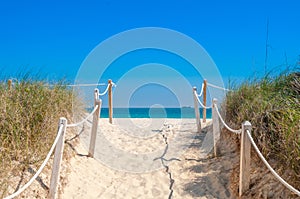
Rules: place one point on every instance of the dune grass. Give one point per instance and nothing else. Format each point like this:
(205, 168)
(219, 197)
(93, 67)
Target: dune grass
(272, 105)
(29, 115)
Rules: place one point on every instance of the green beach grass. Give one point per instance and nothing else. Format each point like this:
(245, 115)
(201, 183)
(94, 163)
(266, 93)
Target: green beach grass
(29, 115)
(272, 105)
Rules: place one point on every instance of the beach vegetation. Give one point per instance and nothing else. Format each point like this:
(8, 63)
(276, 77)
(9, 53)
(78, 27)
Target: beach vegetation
(29, 114)
(272, 105)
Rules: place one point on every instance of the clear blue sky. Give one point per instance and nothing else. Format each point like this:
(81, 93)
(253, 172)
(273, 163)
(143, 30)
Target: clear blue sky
(54, 37)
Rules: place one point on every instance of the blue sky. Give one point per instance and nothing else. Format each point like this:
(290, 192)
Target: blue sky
(54, 37)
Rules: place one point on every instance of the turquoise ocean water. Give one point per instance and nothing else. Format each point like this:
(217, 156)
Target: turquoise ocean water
(153, 113)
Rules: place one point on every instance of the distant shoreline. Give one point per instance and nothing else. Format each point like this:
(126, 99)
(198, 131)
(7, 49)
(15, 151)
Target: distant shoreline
(184, 112)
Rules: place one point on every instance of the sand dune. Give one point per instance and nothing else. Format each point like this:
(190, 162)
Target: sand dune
(143, 158)
(148, 158)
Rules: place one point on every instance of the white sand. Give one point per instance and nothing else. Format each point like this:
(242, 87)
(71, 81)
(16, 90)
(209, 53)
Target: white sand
(144, 158)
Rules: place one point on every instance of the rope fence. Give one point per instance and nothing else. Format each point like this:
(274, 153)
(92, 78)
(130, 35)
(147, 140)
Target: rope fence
(85, 119)
(107, 88)
(246, 142)
(101, 94)
(201, 92)
(58, 145)
(269, 167)
(245, 131)
(201, 104)
(85, 85)
(60, 130)
(239, 131)
(13, 81)
(218, 87)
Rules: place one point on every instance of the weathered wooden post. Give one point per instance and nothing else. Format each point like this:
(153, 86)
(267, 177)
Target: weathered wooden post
(96, 116)
(245, 159)
(110, 101)
(216, 126)
(59, 148)
(9, 84)
(204, 100)
(196, 107)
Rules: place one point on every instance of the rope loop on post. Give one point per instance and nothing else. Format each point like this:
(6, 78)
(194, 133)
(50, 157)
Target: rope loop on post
(107, 88)
(196, 95)
(201, 92)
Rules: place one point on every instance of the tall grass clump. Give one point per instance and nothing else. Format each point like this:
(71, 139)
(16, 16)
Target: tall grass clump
(272, 105)
(29, 114)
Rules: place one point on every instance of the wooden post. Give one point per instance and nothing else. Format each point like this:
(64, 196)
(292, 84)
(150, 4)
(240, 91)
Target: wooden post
(96, 117)
(245, 159)
(216, 127)
(9, 84)
(197, 113)
(110, 101)
(57, 159)
(204, 100)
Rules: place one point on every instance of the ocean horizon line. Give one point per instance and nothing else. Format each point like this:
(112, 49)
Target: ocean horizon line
(137, 107)
(153, 112)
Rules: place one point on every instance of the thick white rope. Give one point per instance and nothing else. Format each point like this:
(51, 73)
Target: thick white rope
(201, 92)
(41, 167)
(82, 85)
(84, 120)
(270, 168)
(218, 87)
(101, 94)
(77, 85)
(196, 95)
(230, 129)
(112, 84)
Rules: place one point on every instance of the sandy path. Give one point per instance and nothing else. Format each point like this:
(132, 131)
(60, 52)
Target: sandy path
(148, 159)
